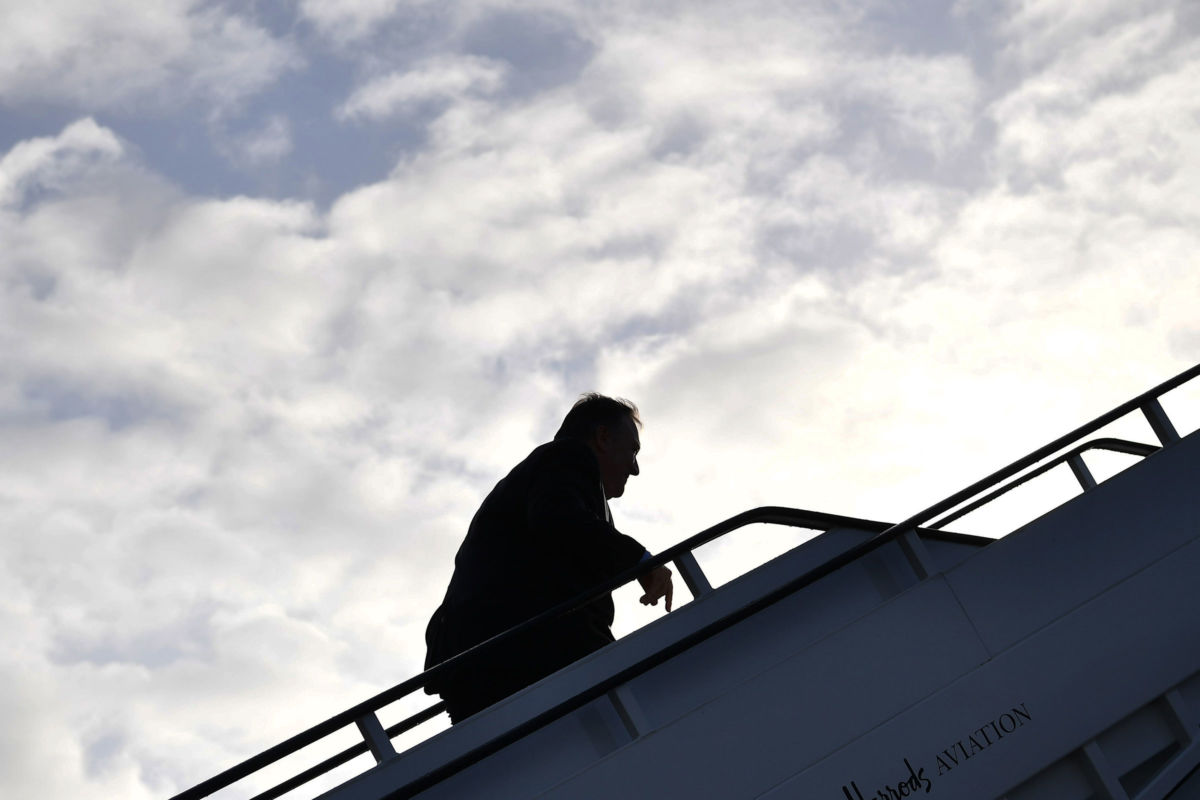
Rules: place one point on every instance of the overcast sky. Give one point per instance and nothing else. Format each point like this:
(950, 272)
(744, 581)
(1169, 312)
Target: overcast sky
(286, 286)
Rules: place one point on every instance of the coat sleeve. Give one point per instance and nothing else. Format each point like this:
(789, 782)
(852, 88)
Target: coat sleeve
(562, 516)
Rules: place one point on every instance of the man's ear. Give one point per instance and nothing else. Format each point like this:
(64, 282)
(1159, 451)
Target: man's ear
(601, 437)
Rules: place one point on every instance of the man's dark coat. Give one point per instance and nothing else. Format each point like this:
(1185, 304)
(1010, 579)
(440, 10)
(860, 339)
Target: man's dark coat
(541, 537)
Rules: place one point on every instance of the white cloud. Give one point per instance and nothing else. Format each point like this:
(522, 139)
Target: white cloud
(268, 144)
(93, 56)
(247, 432)
(933, 101)
(47, 162)
(1036, 31)
(1108, 64)
(345, 21)
(437, 80)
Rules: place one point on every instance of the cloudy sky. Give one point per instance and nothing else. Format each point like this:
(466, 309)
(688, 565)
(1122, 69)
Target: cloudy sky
(286, 286)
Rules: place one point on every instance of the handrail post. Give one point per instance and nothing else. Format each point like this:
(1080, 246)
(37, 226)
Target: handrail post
(1160, 422)
(918, 557)
(376, 737)
(694, 577)
(1082, 473)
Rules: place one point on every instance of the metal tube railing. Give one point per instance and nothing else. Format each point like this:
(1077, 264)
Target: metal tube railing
(1146, 399)
(854, 553)
(670, 651)
(1112, 445)
(317, 770)
(767, 514)
(681, 554)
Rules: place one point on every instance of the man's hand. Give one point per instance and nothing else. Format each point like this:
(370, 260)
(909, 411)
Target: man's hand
(657, 584)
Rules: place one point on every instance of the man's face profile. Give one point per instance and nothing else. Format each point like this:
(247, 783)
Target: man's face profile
(617, 449)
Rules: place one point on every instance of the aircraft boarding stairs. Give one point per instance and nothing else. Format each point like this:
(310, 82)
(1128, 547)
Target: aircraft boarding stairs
(873, 661)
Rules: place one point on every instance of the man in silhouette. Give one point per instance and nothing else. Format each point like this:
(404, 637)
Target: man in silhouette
(542, 536)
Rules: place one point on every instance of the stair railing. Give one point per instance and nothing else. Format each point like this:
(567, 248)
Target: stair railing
(377, 740)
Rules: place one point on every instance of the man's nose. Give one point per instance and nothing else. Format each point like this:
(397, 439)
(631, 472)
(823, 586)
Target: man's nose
(635, 470)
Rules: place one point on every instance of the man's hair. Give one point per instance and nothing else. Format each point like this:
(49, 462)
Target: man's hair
(593, 410)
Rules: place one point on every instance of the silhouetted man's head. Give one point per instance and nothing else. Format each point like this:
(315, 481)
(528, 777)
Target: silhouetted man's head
(610, 428)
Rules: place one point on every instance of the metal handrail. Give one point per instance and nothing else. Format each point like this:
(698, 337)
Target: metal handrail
(767, 514)
(1147, 402)
(1112, 445)
(317, 770)
(664, 654)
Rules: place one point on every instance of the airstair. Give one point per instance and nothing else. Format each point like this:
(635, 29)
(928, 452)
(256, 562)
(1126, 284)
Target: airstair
(1059, 662)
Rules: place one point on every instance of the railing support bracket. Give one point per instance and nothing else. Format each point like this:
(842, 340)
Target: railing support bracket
(693, 576)
(1160, 422)
(1082, 473)
(377, 739)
